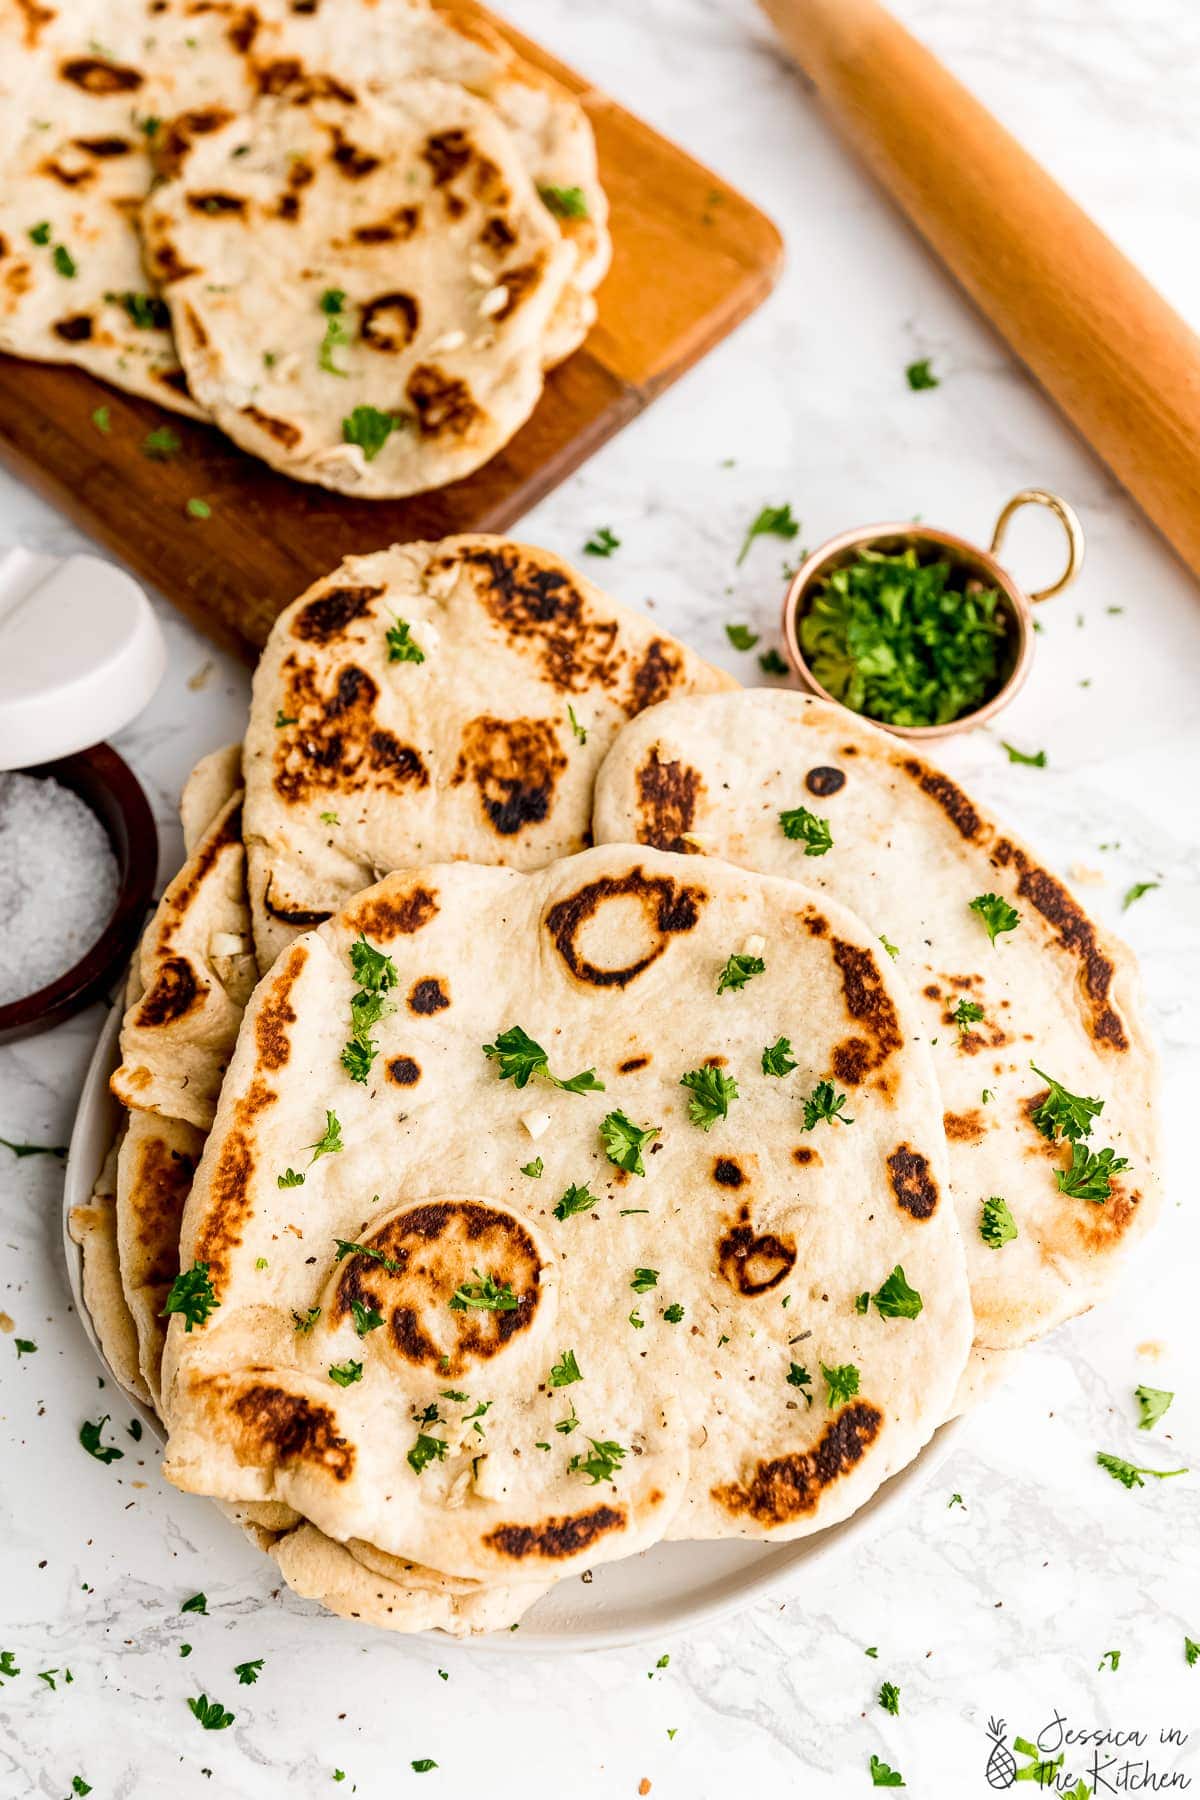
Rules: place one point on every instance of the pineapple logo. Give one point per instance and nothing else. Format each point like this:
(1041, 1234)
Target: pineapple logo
(1001, 1764)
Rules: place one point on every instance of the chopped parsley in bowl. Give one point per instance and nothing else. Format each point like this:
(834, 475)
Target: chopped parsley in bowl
(910, 639)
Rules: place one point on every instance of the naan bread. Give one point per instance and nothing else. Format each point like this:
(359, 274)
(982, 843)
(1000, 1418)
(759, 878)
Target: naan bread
(94, 1228)
(196, 968)
(328, 262)
(763, 1235)
(157, 1160)
(357, 764)
(211, 784)
(910, 852)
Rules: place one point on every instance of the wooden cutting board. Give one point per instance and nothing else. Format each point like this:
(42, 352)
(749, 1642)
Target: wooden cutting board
(691, 258)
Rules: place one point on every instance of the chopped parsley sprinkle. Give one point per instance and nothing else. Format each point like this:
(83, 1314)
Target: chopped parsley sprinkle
(40, 233)
(825, 1104)
(771, 663)
(484, 1294)
(249, 1672)
(282, 719)
(636, 1320)
(346, 1247)
(533, 1169)
(579, 730)
(345, 1374)
(365, 1318)
(644, 1280)
(161, 444)
(289, 1179)
(997, 1225)
(1036, 760)
(198, 509)
(871, 1651)
(330, 1141)
(329, 818)
(889, 1697)
(895, 1299)
(79, 1785)
(741, 636)
(883, 1776)
(332, 301)
(903, 641)
(211, 1714)
(1111, 1660)
(799, 1377)
(520, 1059)
(1191, 1652)
(64, 262)
(602, 1464)
(738, 971)
(22, 1150)
(191, 1294)
(673, 1313)
(997, 914)
(423, 1764)
(427, 1449)
(956, 1500)
(358, 1056)
(197, 1604)
(102, 420)
(965, 1014)
(1089, 1176)
(1153, 1403)
(893, 950)
(566, 1426)
(602, 543)
(801, 826)
(862, 1302)
(24, 1347)
(89, 1437)
(565, 202)
(1127, 1474)
(575, 1200)
(772, 521)
(1062, 1114)
(370, 429)
(565, 1370)
(400, 646)
(304, 1321)
(624, 1141)
(777, 1058)
(146, 311)
(711, 1092)
(919, 375)
(841, 1383)
(1136, 891)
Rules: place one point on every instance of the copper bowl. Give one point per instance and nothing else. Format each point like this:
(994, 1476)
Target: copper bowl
(963, 555)
(108, 785)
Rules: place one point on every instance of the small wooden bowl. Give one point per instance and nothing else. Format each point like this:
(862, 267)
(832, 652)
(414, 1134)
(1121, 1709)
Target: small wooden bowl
(960, 552)
(107, 784)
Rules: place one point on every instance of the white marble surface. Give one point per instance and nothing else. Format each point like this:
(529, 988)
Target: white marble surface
(1007, 1604)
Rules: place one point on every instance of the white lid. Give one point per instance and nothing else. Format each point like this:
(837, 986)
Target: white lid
(81, 653)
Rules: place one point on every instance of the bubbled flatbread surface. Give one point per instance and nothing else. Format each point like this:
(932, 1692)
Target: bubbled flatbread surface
(416, 209)
(910, 851)
(356, 764)
(610, 960)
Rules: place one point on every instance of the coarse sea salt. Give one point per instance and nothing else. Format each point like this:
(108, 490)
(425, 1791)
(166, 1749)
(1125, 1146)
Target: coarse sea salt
(58, 882)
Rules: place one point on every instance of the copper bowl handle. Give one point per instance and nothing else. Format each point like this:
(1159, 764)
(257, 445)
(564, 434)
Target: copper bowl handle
(1067, 518)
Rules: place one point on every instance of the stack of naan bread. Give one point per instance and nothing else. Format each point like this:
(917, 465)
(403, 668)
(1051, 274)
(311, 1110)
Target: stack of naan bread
(348, 232)
(567, 1155)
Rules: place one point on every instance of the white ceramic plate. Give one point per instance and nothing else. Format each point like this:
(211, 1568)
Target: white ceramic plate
(668, 1588)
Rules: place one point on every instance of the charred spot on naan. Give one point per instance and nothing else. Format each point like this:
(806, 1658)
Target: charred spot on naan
(667, 797)
(54, 170)
(964, 1128)
(824, 782)
(805, 1156)
(946, 794)
(300, 175)
(229, 1197)
(870, 1006)
(282, 430)
(655, 677)
(215, 203)
(556, 1539)
(276, 1013)
(789, 1487)
(219, 844)
(518, 284)
(76, 329)
(1077, 935)
(176, 991)
(404, 1071)
(443, 403)
(912, 1182)
(304, 916)
(390, 322)
(432, 1250)
(104, 148)
(336, 742)
(498, 235)
(99, 75)
(753, 1262)
(242, 30)
(667, 908)
(287, 75)
(35, 16)
(392, 915)
(160, 1184)
(350, 159)
(284, 1429)
(728, 1172)
(1095, 1226)
(535, 600)
(173, 141)
(401, 223)
(428, 996)
(631, 1063)
(328, 617)
(515, 764)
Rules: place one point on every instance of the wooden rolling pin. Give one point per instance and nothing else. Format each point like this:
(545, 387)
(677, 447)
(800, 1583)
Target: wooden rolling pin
(1122, 365)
